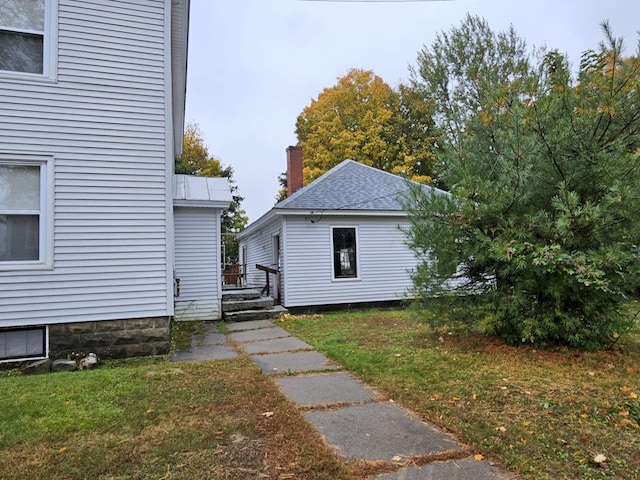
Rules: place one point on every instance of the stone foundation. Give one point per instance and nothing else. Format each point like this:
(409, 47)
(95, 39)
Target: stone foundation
(111, 338)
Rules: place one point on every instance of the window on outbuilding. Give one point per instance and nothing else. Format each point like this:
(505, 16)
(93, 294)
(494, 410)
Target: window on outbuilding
(344, 240)
(22, 35)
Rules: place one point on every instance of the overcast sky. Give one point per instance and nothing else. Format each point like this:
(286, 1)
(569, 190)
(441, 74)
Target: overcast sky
(255, 64)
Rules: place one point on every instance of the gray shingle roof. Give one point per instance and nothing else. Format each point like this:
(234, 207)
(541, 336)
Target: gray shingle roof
(350, 186)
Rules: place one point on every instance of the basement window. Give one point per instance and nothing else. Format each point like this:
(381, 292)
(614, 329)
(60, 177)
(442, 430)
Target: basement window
(23, 344)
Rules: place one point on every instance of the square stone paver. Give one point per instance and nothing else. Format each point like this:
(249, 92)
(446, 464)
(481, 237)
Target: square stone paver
(293, 362)
(250, 325)
(274, 345)
(379, 431)
(260, 334)
(212, 338)
(323, 389)
(205, 352)
(465, 469)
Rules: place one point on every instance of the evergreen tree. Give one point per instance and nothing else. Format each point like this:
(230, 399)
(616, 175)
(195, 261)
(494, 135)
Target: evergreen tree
(544, 170)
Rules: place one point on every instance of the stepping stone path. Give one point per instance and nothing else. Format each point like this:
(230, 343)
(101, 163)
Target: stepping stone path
(357, 422)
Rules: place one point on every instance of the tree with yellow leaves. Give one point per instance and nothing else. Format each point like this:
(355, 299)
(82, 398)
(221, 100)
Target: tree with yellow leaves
(363, 119)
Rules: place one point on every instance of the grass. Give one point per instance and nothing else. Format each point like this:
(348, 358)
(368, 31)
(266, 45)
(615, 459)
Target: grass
(151, 419)
(541, 414)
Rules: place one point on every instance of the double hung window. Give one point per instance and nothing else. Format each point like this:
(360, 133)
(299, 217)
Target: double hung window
(25, 36)
(345, 259)
(23, 227)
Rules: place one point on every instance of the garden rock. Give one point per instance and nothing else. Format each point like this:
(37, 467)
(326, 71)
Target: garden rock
(64, 366)
(89, 362)
(41, 366)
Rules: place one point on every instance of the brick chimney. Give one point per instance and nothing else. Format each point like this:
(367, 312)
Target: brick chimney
(295, 178)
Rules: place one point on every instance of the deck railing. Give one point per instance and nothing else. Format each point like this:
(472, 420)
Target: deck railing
(267, 287)
(232, 274)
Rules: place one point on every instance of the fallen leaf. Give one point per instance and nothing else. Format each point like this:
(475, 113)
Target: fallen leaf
(624, 413)
(478, 457)
(397, 458)
(625, 389)
(267, 414)
(631, 423)
(501, 429)
(397, 355)
(63, 449)
(475, 397)
(599, 459)
(591, 373)
(633, 395)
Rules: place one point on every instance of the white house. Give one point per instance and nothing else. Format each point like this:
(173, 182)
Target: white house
(92, 99)
(339, 240)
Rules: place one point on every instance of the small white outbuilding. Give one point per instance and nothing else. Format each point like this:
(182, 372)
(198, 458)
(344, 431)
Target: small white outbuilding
(198, 204)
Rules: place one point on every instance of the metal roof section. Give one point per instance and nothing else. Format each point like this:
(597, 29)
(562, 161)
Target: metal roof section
(192, 191)
(351, 186)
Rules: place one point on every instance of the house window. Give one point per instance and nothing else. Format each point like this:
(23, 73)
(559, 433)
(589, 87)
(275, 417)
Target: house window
(344, 252)
(24, 40)
(22, 212)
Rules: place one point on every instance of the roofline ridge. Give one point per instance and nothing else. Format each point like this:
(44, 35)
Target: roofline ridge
(321, 178)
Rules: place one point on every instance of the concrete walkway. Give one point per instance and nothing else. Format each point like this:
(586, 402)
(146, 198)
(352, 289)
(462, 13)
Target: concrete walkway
(354, 420)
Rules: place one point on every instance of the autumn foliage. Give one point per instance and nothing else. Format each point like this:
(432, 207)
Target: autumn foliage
(363, 119)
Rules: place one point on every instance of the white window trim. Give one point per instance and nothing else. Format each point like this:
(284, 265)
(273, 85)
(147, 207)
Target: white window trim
(333, 265)
(30, 359)
(276, 250)
(50, 48)
(46, 164)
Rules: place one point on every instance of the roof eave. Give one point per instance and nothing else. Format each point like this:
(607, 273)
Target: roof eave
(201, 204)
(280, 212)
(179, 53)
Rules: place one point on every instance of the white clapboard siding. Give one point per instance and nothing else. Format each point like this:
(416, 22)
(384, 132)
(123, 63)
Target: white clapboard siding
(260, 251)
(104, 124)
(197, 263)
(384, 262)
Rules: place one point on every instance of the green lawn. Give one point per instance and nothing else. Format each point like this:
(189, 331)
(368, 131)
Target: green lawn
(148, 419)
(541, 414)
